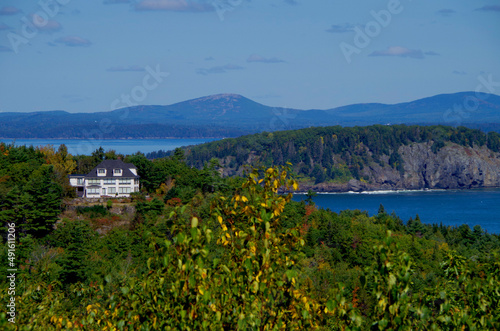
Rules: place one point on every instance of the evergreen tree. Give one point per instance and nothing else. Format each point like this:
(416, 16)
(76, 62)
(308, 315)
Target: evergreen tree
(40, 202)
(77, 237)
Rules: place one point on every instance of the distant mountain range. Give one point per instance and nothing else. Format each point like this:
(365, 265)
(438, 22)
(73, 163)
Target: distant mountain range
(231, 115)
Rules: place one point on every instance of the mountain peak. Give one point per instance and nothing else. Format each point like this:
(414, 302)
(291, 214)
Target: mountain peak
(220, 97)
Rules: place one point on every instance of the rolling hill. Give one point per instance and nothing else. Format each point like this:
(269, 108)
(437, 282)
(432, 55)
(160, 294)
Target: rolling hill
(231, 115)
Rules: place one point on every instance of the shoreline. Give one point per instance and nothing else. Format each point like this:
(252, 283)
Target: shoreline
(130, 138)
(396, 191)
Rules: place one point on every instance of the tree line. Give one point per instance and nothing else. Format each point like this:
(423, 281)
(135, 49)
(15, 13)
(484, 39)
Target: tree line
(206, 252)
(332, 153)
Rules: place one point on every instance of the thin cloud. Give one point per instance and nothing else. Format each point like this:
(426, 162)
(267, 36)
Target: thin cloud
(209, 58)
(337, 28)
(114, 2)
(266, 96)
(4, 27)
(258, 58)
(459, 72)
(9, 10)
(5, 49)
(125, 68)
(73, 41)
(45, 25)
(291, 2)
(218, 69)
(431, 53)
(446, 12)
(75, 98)
(400, 52)
(495, 8)
(173, 5)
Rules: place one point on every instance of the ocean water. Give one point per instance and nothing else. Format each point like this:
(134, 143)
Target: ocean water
(122, 146)
(450, 207)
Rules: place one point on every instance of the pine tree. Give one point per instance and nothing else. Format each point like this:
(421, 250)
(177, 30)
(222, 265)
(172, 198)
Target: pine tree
(40, 202)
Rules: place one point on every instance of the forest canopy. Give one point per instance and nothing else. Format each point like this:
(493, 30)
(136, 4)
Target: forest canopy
(332, 153)
(195, 250)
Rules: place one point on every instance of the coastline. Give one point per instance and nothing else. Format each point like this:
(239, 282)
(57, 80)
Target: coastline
(128, 138)
(393, 191)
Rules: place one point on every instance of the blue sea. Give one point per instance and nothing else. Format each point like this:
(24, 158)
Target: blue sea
(450, 207)
(121, 146)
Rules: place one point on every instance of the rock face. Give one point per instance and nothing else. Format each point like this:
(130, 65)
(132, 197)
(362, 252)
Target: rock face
(452, 167)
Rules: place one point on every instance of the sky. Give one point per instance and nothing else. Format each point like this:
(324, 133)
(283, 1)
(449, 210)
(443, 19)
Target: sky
(89, 56)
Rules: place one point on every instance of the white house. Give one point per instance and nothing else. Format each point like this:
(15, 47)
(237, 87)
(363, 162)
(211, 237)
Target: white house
(111, 178)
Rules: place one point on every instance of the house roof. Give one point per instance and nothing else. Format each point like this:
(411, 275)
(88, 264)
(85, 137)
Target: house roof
(109, 165)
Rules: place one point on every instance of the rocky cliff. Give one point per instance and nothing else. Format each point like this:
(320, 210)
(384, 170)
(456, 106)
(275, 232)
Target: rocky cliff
(451, 167)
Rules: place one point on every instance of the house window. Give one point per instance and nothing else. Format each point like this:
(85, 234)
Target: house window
(117, 172)
(109, 181)
(93, 181)
(111, 190)
(79, 181)
(124, 181)
(124, 190)
(93, 191)
(101, 171)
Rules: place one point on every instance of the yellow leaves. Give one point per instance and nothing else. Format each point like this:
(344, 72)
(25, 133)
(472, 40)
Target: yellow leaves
(194, 222)
(219, 218)
(3, 150)
(276, 184)
(255, 286)
(382, 303)
(295, 186)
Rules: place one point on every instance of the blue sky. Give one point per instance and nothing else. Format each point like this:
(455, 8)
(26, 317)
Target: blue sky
(87, 56)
